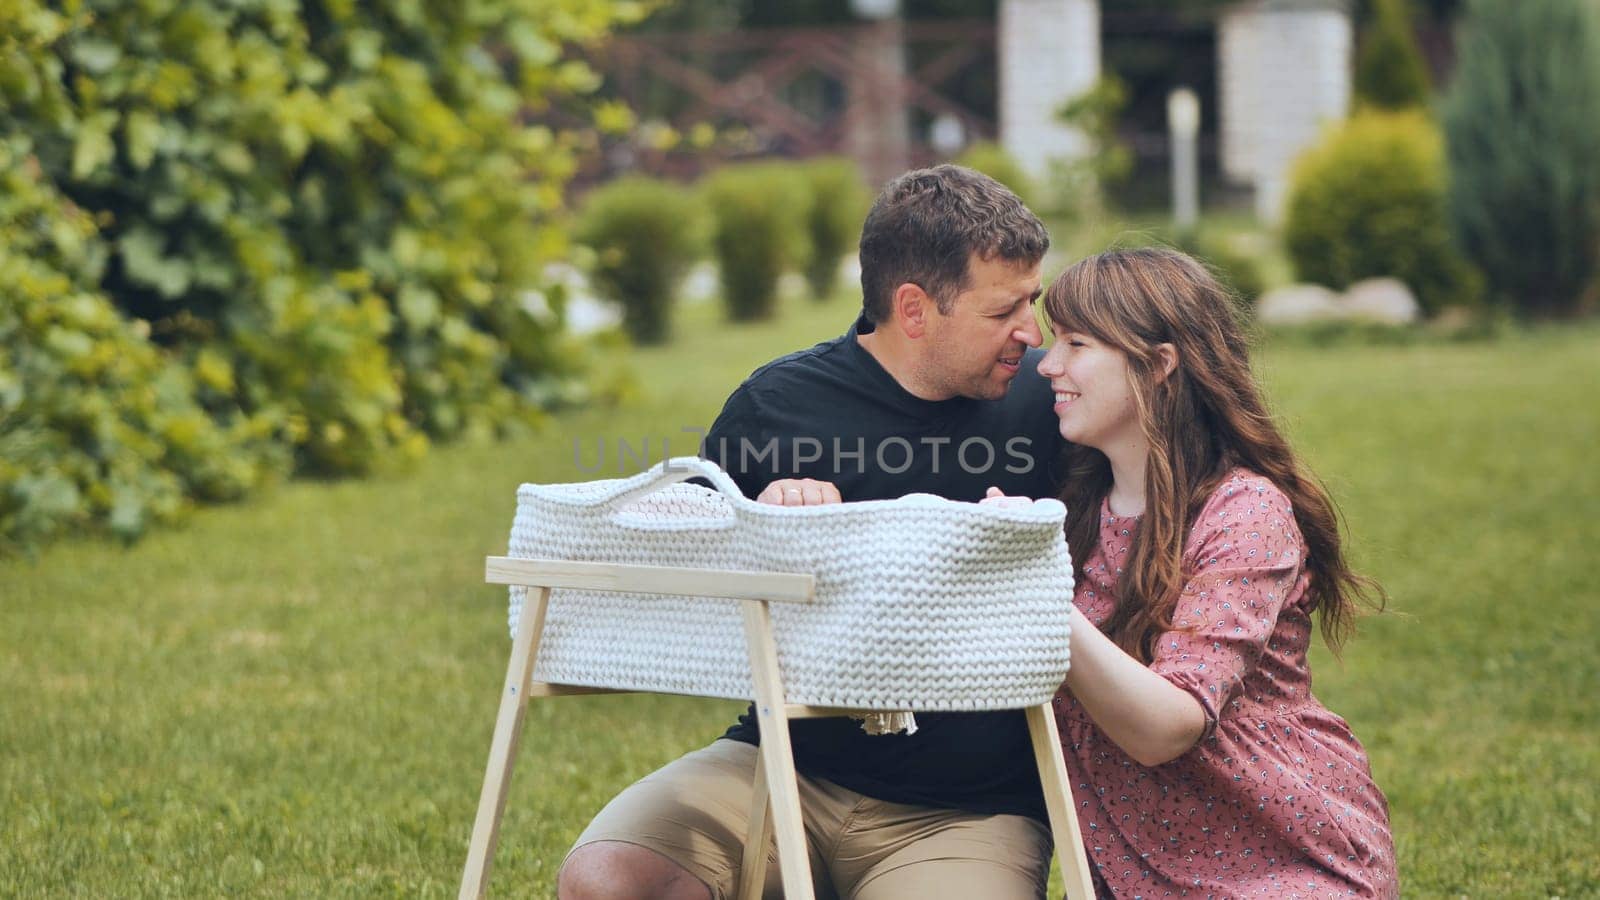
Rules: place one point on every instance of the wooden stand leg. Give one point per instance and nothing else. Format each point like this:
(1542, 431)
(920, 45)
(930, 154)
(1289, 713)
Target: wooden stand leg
(777, 757)
(753, 869)
(503, 749)
(1058, 802)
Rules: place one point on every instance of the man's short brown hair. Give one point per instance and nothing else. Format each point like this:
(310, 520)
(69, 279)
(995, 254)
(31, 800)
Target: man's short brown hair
(927, 224)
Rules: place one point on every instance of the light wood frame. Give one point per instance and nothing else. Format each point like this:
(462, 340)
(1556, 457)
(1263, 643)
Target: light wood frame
(775, 811)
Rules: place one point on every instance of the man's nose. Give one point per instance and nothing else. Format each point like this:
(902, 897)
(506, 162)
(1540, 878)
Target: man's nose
(1028, 331)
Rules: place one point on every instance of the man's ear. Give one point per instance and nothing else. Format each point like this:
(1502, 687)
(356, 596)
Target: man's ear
(912, 306)
(1168, 354)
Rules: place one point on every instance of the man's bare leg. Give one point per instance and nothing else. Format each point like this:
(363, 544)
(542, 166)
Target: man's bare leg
(614, 870)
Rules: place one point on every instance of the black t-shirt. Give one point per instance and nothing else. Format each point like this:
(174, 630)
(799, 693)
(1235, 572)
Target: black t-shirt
(834, 414)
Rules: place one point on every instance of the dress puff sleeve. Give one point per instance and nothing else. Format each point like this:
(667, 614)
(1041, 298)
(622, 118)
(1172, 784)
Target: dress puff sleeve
(1243, 559)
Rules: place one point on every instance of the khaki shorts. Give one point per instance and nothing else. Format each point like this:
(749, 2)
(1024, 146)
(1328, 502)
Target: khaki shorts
(695, 811)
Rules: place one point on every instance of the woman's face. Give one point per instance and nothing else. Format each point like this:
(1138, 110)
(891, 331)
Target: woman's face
(1093, 391)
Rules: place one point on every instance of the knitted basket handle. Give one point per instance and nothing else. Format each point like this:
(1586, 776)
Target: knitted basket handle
(680, 468)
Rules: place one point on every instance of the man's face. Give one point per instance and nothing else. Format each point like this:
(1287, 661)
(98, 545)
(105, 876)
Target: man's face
(976, 350)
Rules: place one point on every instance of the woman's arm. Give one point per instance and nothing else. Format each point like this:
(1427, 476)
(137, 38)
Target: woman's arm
(1244, 559)
(1150, 718)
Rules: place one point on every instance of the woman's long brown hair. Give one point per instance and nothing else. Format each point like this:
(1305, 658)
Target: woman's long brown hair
(1201, 421)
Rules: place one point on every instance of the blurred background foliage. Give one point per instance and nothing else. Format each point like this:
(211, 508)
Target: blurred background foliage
(1523, 122)
(1148, 47)
(759, 210)
(1389, 71)
(1369, 202)
(311, 231)
(992, 160)
(98, 424)
(246, 239)
(836, 206)
(645, 233)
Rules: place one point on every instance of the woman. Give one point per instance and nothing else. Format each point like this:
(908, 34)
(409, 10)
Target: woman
(1202, 764)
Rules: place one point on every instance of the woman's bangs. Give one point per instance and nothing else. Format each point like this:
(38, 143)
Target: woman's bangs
(1079, 301)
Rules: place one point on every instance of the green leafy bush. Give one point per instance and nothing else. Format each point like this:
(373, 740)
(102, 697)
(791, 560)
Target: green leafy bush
(1522, 120)
(645, 234)
(1390, 73)
(337, 201)
(97, 428)
(758, 213)
(833, 220)
(1369, 201)
(992, 160)
(1238, 271)
(1077, 186)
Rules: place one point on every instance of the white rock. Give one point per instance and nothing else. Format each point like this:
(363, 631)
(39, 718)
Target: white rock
(1298, 304)
(587, 314)
(1385, 300)
(701, 284)
(793, 284)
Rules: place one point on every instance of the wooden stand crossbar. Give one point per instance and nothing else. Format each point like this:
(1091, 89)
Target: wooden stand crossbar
(775, 813)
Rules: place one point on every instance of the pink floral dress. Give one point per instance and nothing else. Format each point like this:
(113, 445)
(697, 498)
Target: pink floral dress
(1276, 799)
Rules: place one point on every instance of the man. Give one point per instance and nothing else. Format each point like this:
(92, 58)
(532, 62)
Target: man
(933, 389)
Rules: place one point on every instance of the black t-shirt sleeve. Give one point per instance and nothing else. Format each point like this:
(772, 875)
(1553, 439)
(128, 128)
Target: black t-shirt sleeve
(740, 424)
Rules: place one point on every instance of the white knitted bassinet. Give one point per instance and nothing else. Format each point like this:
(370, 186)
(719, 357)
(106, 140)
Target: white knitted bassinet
(921, 603)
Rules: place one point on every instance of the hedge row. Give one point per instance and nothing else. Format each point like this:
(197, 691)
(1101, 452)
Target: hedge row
(758, 219)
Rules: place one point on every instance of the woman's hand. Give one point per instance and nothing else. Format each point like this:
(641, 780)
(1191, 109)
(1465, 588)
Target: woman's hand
(997, 497)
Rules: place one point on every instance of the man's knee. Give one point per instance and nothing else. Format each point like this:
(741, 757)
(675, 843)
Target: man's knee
(613, 870)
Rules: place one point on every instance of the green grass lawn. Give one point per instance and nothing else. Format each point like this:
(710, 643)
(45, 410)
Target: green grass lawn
(295, 696)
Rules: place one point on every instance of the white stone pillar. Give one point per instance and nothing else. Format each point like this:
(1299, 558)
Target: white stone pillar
(1238, 103)
(1284, 74)
(879, 135)
(1183, 130)
(1049, 52)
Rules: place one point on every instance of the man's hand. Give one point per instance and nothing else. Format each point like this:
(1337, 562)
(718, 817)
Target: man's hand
(997, 497)
(799, 492)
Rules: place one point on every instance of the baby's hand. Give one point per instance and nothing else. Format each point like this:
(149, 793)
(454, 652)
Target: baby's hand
(997, 497)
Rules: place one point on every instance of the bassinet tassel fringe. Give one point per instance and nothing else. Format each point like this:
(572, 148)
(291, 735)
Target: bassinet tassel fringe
(888, 723)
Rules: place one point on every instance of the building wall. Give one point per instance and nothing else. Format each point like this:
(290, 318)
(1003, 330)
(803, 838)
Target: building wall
(1284, 74)
(1049, 52)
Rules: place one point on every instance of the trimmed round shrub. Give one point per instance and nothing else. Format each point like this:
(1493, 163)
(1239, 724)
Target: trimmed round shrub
(833, 222)
(992, 160)
(645, 234)
(1369, 201)
(1523, 123)
(758, 212)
